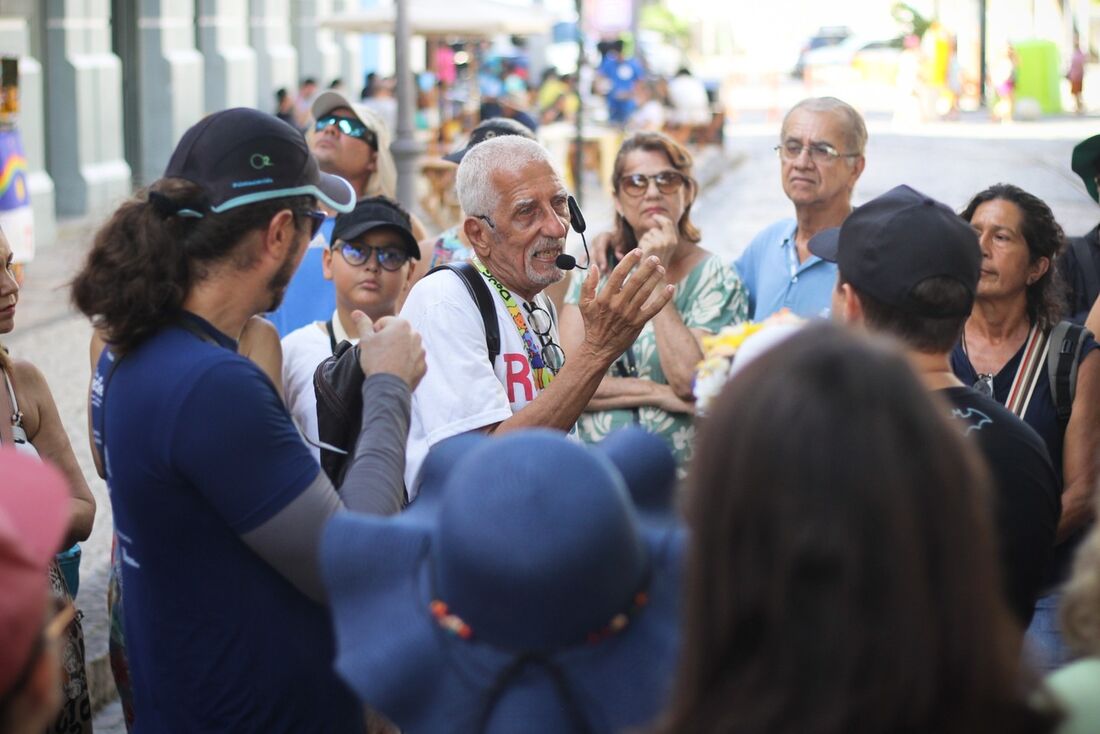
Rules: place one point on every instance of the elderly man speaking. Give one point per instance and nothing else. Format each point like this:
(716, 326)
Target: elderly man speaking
(517, 217)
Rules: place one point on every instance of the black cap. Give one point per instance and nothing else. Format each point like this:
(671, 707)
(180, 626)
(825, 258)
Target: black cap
(891, 244)
(242, 156)
(1086, 155)
(494, 127)
(372, 213)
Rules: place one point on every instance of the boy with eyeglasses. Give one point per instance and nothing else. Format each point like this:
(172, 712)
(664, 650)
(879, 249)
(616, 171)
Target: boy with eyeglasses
(369, 265)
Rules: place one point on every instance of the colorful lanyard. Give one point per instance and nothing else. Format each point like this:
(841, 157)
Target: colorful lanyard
(542, 373)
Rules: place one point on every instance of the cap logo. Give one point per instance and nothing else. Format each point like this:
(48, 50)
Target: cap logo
(490, 134)
(259, 161)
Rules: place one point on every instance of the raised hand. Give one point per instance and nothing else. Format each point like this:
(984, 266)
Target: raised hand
(390, 345)
(660, 241)
(615, 315)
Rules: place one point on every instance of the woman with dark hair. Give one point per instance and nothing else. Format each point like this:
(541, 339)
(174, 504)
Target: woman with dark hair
(30, 423)
(651, 384)
(1004, 354)
(841, 580)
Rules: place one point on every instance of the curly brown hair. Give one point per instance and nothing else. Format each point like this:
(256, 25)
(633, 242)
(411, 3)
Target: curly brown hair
(147, 257)
(1046, 297)
(623, 237)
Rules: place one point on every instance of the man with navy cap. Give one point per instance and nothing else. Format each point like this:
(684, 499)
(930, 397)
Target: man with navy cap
(908, 266)
(218, 505)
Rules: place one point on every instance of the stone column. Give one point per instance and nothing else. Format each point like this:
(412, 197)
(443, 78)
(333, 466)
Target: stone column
(84, 109)
(15, 39)
(230, 62)
(276, 59)
(318, 54)
(171, 87)
(350, 50)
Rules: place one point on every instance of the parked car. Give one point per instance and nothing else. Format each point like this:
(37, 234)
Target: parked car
(825, 37)
(856, 57)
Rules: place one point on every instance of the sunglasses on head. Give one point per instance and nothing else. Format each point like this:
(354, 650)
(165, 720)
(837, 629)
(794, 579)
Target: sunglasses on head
(636, 184)
(390, 257)
(350, 126)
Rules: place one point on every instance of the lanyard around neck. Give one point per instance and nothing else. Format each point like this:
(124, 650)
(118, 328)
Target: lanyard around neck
(542, 373)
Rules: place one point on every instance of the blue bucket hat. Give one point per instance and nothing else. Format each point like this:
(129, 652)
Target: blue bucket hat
(524, 594)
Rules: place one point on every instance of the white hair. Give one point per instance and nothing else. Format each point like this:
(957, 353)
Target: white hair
(474, 180)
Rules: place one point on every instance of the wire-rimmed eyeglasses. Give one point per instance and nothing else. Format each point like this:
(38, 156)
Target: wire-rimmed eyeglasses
(553, 356)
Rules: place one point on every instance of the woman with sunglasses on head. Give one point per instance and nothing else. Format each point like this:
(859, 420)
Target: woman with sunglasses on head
(1003, 353)
(842, 580)
(29, 421)
(651, 384)
(370, 265)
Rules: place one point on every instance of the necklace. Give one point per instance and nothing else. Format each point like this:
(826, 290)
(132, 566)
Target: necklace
(984, 383)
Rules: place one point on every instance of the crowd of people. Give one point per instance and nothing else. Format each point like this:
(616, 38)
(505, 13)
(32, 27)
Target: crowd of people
(369, 478)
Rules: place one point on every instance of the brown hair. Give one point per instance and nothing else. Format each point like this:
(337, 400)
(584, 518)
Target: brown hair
(147, 257)
(623, 237)
(841, 575)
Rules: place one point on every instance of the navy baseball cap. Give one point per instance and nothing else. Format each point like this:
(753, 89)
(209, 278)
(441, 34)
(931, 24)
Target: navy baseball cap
(372, 213)
(243, 156)
(494, 127)
(891, 244)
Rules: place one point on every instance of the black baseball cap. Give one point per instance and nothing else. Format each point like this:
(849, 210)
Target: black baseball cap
(1086, 156)
(372, 213)
(891, 244)
(494, 127)
(243, 156)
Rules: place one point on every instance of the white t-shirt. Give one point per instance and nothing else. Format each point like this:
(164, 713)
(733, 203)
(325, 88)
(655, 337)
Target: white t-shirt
(303, 350)
(460, 391)
(690, 104)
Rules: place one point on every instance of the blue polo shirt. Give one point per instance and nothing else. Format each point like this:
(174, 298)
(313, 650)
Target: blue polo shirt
(775, 279)
(199, 450)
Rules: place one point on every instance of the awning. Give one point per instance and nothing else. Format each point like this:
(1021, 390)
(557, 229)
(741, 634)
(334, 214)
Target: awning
(466, 18)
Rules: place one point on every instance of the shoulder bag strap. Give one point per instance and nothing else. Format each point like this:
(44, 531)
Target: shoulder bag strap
(331, 336)
(478, 291)
(1088, 262)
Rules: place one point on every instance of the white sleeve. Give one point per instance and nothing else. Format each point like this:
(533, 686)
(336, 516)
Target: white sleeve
(460, 391)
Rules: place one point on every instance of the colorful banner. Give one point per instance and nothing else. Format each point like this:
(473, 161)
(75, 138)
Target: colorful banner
(16, 218)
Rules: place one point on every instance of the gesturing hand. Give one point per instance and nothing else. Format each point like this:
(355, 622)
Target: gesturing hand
(390, 345)
(614, 316)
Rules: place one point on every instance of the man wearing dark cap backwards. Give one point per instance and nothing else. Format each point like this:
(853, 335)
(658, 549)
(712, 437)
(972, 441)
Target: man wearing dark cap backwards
(451, 245)
(1080, 263)
(908, 266)
(218, 505)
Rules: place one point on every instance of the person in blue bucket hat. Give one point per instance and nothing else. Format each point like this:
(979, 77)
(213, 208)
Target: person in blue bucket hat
(527, 594)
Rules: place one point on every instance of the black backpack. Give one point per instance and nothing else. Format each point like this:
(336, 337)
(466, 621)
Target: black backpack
(338, 381)
(1064, 352)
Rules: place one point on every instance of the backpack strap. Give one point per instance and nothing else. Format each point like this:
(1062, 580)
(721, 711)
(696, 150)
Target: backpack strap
(1066, 342)
(478, 291)
(1088, 263)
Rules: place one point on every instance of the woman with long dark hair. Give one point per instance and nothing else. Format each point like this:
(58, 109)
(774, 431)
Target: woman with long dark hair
(841, 574)
(1004, 353)
(651, 384)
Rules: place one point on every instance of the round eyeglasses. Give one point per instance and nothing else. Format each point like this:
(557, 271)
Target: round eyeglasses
(390, 257)
(541, 323)
(636, 184)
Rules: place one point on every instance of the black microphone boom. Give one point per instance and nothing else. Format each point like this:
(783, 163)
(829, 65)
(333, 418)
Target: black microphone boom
(566, 262)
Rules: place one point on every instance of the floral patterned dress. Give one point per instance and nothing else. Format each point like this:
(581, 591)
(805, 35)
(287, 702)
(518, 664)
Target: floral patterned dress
(709, 297)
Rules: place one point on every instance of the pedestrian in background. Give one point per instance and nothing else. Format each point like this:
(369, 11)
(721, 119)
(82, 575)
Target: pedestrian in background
(842, 581)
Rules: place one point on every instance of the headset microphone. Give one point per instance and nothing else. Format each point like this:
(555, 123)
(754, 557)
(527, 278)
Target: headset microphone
(576, 220)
